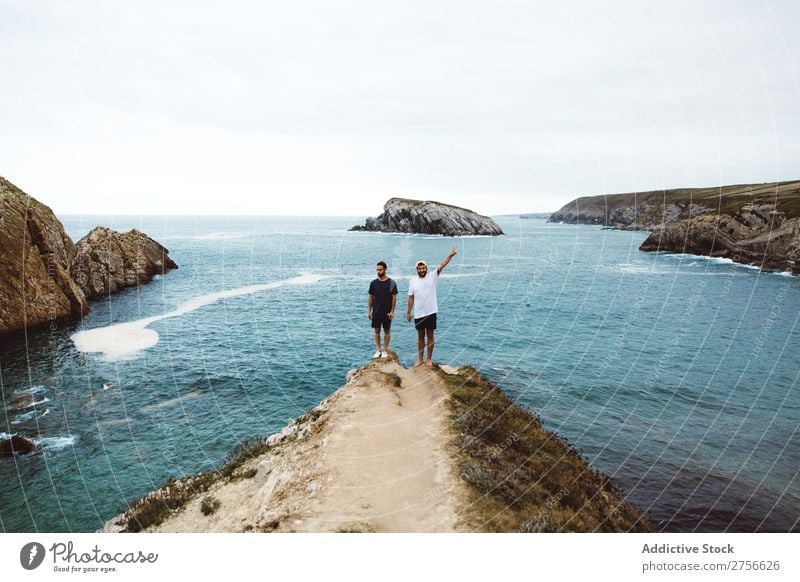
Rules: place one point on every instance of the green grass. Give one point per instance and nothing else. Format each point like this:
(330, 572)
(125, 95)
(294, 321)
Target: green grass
(209, 505)
(522, 477)
(723, 199)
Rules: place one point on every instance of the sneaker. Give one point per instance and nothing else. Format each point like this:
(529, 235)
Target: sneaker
(376, 355)
(384, 355)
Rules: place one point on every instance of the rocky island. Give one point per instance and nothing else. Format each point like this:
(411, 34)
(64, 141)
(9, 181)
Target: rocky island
(428, 217)
(754, 224)
(397, 450)
(107, 261)
(45, 277)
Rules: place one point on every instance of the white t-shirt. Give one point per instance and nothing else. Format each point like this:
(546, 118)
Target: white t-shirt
(424, 291)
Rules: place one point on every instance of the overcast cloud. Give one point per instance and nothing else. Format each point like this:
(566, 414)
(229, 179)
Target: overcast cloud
(333, 107)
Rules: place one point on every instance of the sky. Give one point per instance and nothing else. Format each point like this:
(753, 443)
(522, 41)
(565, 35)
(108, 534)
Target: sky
(331, 108)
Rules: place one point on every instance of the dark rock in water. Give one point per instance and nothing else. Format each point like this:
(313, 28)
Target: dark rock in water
(756, 235)
(35, 255)
(107, 261)
(428, 217)
(16, 445)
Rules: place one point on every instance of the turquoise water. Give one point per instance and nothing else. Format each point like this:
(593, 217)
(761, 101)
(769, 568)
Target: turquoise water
(677, 375)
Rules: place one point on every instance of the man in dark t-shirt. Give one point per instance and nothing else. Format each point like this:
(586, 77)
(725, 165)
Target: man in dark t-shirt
(380, 310)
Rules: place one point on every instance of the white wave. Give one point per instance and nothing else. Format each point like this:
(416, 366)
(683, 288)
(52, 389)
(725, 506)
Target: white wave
(689, 259)
(29, 404)
(29, 416)
(125, 341)
(23, 417)
(56, 442)
(35, 389)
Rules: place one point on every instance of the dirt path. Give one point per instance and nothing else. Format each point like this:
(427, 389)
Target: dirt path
(376, 459)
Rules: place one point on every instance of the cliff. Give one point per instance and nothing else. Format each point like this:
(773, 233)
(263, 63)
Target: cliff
(428, 217)
(754, 224)
(396, 450)
(45, 277)
(35, 257)
(756, 235)
(107, 261)
(647, 210)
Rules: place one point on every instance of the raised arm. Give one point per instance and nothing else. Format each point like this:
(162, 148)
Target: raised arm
(443, 264)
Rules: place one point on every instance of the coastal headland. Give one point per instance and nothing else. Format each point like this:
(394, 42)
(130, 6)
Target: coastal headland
(752, 224)
(397, 449)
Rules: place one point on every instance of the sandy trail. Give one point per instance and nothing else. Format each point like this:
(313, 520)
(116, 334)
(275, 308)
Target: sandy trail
(376, 460)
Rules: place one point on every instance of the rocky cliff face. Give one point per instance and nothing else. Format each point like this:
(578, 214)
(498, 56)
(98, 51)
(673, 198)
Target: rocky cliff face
(634, 211)
(39, 263)
(752, 223)
(427, 217)
(107, 261)
(35, 257)
(649, 210)
(756, 235)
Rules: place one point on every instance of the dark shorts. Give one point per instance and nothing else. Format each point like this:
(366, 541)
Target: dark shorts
(385, 322)
(427, 323)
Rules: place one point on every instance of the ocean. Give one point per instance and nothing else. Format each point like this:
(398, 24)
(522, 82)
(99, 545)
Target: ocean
(677, 375)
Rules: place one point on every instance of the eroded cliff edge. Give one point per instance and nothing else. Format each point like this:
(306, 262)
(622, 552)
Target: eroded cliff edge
(404, 215)
(45, 277)
(754, 224)
(397, 450)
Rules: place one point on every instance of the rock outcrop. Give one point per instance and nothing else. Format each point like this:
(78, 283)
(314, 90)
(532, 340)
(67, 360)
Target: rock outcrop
(35, 258)
(16, 445)
(648, 210)
(356, 463)
(428, 217)
(755, 224)
(45, 277)
(107, 261)
(756, 235)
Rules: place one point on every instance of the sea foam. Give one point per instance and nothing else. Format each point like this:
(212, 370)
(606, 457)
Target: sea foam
(125, 341)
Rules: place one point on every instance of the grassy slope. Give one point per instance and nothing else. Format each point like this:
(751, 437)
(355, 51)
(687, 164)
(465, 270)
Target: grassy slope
(722, 199)
(522, 477)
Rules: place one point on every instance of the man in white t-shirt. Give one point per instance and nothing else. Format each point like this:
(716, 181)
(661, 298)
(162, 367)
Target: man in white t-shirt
(422, 298)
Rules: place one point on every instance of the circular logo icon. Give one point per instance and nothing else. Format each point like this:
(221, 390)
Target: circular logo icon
(31, 555)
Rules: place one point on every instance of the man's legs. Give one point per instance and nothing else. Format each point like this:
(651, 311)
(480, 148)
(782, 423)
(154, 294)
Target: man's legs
(429, 362)
(420, 346)
(387, 337)
(377, 331)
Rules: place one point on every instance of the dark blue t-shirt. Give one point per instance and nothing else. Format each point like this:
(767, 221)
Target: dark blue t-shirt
(382, 292)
